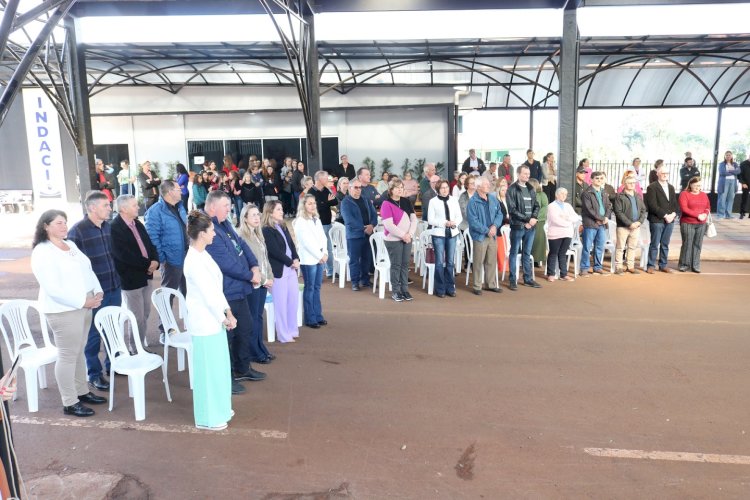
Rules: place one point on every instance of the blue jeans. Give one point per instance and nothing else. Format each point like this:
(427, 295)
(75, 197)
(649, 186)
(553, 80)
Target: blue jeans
(661, 233)
(238, 204)
(445, 250)
(521, 238)
(725, 200)
(313, 278)
(257, 301)
(596, 236)
(360, 259)
(94, 341)
(329, 262)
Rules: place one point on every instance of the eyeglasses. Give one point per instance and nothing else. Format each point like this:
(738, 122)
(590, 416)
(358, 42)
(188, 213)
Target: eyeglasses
(355, 187)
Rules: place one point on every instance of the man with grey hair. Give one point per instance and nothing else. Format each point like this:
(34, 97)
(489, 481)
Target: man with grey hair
(324, 200)
(136, 259)
(92, 236)
(149, 182)
(429, 194)
(485, 216)
(424, 184)
(166, 223)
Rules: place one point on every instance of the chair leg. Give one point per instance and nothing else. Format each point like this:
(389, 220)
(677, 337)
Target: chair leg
(139, 396)
(166, 382)
(270, 323)
(130, 386)
(42, 374)
(180, 359)
(32, 390)
(112, 388)
(300, 309)
(381, 283)
(342, 274)
(375, 279)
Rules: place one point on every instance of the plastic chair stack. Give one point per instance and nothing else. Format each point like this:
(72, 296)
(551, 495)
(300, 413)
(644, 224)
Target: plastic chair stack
(382, 263)
(162, 299)
(340, 257)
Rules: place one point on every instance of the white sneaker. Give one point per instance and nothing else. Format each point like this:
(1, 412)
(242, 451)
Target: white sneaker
(207, 428)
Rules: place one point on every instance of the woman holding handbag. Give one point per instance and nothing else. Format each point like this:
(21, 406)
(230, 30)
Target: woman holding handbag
(696, 210)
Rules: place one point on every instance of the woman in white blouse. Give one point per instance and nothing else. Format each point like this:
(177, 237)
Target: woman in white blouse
(68, 291)
(312, 248)
(208, 318)
(444, 215)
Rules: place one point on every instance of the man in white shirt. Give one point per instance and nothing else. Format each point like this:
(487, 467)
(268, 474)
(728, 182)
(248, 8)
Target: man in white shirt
(473, 165)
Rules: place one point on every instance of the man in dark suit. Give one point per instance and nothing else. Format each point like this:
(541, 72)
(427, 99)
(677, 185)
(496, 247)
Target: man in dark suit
(473, 165)
(744, 179)
(535, 168)
(346, 169)
(149, 183)
(136, 259)
(661, 202)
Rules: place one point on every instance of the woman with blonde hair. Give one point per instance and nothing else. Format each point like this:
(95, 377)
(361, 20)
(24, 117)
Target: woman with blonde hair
(250, 231)
(502, 189)
(539, 248)
(313, 254)
(282, 254)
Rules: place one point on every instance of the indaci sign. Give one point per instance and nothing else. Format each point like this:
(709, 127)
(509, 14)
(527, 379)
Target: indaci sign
(45, 149)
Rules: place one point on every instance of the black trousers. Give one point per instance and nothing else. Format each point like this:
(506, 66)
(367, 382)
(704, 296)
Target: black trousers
(240, 337)
(743, 201)
(257, 301)
(556, 256)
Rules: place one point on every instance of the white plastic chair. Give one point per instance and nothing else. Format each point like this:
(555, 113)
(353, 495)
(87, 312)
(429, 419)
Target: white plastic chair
(417, 246)
(427, 269)
(33, 358)
(505, 234)
(382, 263)
(644, 242)
(110, 321)
(458, 256)
(270, 318)
(570, 253)
(611, 244)
(340, 255)
(577, 245)
(469, 244)
(162, 300)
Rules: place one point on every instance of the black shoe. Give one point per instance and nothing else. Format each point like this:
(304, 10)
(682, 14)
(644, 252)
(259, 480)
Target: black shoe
(397, 297)
(238, 388)
(263, 361)
(532, 284)
(410, 281)
(742, 216)
(355, 288)
(99, 383)
(496, 290)
(512, 285)
(250, 374)
(451, 294)
(476, 292)
(440, 295)
(322, 322)
(312, 325)
(365, 285)
(92, 399)
(407, 296)
(78, 410)
(271, 356)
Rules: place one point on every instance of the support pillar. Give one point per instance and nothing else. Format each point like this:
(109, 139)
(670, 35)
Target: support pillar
(568, 100)
(82, 113)
(312, 84)
(452, 163)
(715, 160)
(531, 128)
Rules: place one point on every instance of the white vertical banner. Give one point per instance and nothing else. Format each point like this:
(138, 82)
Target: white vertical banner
(45, 149)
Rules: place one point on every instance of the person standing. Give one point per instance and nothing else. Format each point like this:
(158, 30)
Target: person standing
(360, 219)
(505, 169)
(524, 211)
(539, 248)
(695, 208)
(535, 168)
(727, 188)
(578, 188)
(149, 183)
(473, 165)
(136, 259)
(68, 292)
(208, 318)
(282, 254)
(239, 267)
(93, 236)
(549, 170)
(399, 228)
(429, 194)
(125, 179)
(444, 216)
(346, 169)
(485, 217)
(661, 203)
(687, 172)
(324, 200)
(182, 180)
(744, 179)
(630, 213)
(312, 248)
(596, 210)
(561, 219)
(166, 225)
(200, 191)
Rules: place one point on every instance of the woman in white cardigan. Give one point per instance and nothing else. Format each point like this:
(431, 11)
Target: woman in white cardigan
(208, 318)
(68, 292)
(444, 215)
(312, 248)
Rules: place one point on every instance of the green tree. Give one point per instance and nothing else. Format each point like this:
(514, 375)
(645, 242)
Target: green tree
(386, 166)
(406, 167)
(370, 164)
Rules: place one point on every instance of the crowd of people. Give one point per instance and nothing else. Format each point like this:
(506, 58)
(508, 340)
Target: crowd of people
(226, 265)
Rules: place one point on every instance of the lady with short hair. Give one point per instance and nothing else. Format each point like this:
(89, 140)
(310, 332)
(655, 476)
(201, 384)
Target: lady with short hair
(382, 186)
(208, 318)
(68, 292)
(282, 254)
(561, 219)
(539, 248)
(444, 215)
(411, 188)
(695, 209)
(399, 228)
(312, 247)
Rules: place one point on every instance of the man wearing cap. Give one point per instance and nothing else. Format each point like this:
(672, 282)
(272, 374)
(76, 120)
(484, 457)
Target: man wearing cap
(596, 209)
(485, 216)
(149, 183)
(579, 186)
(473, 165)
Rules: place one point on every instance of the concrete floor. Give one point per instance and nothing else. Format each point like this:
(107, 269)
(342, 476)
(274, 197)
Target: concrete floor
(472, 397)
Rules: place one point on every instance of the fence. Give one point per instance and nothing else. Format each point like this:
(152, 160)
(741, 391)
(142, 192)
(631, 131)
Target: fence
(615, 171)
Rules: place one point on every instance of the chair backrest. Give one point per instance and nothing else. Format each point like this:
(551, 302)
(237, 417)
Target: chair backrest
(611, 231)
(110, 321)
(469, 244)
(338, 238)
(379, 252)
(421, 226)
(425, 239)
(577, 232)
(16, 313)
(546, 236)
(162, 299)
(505, 233)
(645, 233)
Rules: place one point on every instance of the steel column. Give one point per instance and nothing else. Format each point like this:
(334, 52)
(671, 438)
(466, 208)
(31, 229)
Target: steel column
(452, 163)
(76, 56)
(717, 141)
(6, 26)
(312, 86)
(531, 126)
(568, 102)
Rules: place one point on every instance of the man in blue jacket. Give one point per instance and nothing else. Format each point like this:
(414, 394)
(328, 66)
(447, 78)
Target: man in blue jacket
(241, 272)
(166, 223)
(485, 217)
(360, 219)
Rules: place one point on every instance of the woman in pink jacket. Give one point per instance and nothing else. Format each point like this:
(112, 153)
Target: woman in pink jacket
(561, 219)
(400, 225)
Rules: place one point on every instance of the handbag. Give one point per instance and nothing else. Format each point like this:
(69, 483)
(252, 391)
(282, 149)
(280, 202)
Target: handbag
(429, 255)
(710, 228)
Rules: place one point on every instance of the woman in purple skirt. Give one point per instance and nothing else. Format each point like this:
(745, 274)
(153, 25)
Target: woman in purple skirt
(284, 262)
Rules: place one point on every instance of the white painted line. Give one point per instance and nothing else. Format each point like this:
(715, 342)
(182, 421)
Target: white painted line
(724, 274)
(677, 456)
(139, 426)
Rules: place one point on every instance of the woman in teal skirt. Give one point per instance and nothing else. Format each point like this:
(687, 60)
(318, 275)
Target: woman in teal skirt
(208, 317)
